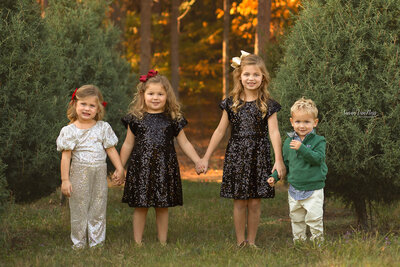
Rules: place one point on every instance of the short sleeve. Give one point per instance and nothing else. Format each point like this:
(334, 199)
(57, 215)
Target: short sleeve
(273, 107)
(66, 140)
(179, 124)
(109, 138)
(130, 121)
(224, 104)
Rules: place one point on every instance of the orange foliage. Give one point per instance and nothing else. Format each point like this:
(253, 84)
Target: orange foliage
(245, 16)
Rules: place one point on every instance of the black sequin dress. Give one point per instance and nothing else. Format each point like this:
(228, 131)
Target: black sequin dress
(153, 178)
(247, 164)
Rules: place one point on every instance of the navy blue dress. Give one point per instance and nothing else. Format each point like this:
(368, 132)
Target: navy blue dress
(247, 164)
(153, 177)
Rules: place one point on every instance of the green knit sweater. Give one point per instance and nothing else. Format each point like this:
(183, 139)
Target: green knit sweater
(306, 168)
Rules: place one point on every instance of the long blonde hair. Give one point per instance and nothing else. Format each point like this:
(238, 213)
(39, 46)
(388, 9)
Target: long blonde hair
(82, 92)
(138, 107)
(238, 89)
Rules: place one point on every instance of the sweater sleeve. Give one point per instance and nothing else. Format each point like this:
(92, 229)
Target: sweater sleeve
(315, 155)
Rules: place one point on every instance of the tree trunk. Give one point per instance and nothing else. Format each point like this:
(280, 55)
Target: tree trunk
(145, 36)
(225, 49)
(175, 46)
(43, 6)
(263, 24)
(361, 211)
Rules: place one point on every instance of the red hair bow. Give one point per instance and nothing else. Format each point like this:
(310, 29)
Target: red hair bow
(73, 94)
(151, 73)
(104, 104)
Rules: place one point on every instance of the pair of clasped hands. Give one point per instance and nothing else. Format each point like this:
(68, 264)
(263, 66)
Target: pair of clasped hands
(201, 166)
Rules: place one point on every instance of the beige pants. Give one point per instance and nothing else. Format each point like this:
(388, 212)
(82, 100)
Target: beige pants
(88, 204)
(307, 212)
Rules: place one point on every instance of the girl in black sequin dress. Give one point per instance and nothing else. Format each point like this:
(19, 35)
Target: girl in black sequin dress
(252, 115)
(153, 178)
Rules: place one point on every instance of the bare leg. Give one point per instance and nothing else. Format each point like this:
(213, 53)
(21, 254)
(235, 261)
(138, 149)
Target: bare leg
(139, 221)
(239, 218)
(253, 219)
(162, 224)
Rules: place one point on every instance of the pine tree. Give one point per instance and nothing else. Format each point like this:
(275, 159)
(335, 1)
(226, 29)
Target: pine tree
(88, 49)
(28, 107)
(345, 55)
(43, 61)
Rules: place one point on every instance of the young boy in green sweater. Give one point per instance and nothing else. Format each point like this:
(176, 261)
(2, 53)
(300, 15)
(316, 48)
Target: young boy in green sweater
(304, 157)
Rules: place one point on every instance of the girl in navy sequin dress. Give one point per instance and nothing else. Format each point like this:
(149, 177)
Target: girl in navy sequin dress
(153, 178)
(252, 115)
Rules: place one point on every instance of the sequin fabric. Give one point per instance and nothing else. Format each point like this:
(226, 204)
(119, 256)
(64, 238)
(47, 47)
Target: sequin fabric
(87, 145)
(88, 176)
(247, 164)
(153, 178)
(88, 204)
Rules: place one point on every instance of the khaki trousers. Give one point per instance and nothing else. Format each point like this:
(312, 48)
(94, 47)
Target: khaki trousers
(307, 212)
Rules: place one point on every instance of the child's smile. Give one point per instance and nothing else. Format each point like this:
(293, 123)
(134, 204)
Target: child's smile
(303, 123)
(155, 98)
(251, 77)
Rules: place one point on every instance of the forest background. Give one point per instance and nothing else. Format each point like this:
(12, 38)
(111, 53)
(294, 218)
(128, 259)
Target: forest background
(51, 47)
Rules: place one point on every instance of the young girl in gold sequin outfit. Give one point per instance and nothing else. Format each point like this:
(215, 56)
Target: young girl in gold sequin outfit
(153, 178)
(85, 144)
(252, 114)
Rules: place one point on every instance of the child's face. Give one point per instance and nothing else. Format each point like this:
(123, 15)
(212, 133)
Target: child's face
(303, 123)
(155, 98)
(251, 77)
(87, 108)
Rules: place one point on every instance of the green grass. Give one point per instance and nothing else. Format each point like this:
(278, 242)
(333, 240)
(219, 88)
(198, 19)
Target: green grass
(201, 233)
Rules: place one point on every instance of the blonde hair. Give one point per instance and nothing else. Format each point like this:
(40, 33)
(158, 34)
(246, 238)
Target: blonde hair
(138, 106)
(238, 89)
(83, 92)
(305, 105)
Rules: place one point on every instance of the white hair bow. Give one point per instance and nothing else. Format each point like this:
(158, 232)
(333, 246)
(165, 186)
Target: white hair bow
(237, 60)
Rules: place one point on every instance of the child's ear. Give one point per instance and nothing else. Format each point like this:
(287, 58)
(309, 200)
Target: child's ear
(315, 122)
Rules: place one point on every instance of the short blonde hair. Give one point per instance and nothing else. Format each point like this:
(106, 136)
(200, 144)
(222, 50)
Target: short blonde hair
(82, 92)
(306, 105)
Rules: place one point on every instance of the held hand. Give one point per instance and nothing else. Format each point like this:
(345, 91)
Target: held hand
(202, 166)
(279, 166)
(119, 177)
(114, 177)
(198, 167)
(295, 144)
(66, 188)
(271, 181)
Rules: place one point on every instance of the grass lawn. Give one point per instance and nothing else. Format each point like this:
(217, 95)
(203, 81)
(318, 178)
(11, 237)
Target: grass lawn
(201, 233)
